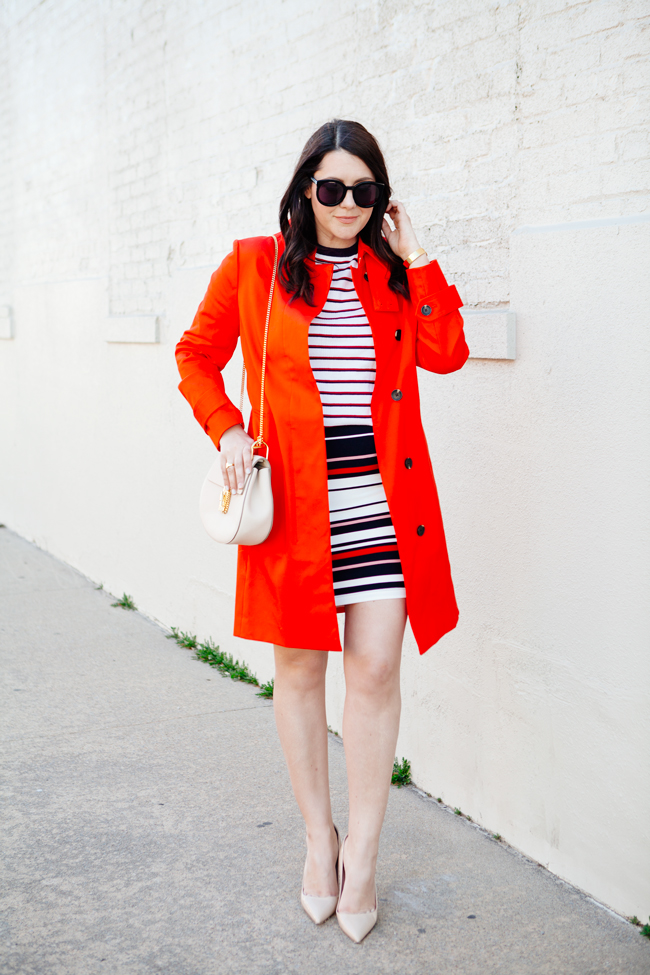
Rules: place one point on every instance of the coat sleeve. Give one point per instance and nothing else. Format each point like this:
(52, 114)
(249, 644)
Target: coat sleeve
(207, 346)
(440, 344)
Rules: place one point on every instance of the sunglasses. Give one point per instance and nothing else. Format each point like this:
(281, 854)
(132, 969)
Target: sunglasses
(331, 192)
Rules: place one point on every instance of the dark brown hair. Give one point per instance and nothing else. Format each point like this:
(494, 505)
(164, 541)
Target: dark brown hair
(297, 221)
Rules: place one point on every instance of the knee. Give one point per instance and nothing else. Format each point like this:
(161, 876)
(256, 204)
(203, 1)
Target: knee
(302, 670)
(373, 676)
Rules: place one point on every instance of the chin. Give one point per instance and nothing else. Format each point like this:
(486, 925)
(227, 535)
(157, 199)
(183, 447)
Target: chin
(346, 232)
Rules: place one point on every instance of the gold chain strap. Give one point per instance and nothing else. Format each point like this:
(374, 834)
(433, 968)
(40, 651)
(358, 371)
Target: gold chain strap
(260, 442)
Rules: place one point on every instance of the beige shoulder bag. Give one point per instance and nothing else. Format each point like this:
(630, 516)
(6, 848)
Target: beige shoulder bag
(246, 518)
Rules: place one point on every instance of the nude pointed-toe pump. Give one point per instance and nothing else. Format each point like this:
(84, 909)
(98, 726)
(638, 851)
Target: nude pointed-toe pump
(356, 926)
(320, 908)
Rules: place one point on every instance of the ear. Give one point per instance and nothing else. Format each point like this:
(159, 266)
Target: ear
(308, 191)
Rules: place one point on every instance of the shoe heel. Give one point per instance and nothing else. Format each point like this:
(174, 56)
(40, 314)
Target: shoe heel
(355, 926)
(319, 909)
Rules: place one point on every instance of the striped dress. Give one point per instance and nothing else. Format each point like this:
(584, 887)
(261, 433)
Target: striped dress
(365, 558)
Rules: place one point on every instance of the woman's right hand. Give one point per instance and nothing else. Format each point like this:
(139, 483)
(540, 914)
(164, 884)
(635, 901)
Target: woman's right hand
(236, 458)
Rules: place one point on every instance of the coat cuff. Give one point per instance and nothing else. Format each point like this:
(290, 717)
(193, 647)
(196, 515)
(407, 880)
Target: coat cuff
(221, 420)
(432, 297)
(423, 280)
(430, 293)
(437, 304)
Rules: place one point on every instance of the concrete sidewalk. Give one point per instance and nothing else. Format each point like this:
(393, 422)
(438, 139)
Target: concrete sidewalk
(150, 826)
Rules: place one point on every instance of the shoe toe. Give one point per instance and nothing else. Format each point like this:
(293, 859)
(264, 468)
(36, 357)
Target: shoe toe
(318, 908)
(357, 926)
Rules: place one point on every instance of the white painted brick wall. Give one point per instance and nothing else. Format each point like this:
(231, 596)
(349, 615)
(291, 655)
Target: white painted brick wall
(6, 188)
(148, 135)
(138, 138)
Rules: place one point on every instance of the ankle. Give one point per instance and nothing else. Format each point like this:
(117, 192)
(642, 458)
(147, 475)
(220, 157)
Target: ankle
(361, 852)
(320, 835)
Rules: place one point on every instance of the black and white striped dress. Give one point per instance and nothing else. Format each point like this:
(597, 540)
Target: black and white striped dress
(365, 558)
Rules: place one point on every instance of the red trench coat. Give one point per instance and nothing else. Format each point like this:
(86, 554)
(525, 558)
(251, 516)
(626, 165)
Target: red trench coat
(285, 591)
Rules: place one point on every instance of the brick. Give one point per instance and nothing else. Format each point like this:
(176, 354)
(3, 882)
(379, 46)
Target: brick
(486, 113)
(634, 144)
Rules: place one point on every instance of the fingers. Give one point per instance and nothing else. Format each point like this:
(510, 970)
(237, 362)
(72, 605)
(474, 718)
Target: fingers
(395, 210)
(235, 458)
(402, 239)
(239, 472)
(235, 468)
(226, 471)
(399, 216)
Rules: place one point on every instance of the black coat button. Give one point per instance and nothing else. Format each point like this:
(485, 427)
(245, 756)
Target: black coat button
(396, 394)
(365, 276)
(420, 529)
(408, 463)
(426, 309)
(398, 334)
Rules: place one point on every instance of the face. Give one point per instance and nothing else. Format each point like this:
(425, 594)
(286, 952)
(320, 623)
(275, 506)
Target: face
(340, 226)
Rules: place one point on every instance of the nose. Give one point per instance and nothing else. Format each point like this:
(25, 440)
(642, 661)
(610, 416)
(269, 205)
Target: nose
(348, 201)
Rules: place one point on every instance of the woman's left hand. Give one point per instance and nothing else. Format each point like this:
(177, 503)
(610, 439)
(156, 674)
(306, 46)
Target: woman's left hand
(402, 239)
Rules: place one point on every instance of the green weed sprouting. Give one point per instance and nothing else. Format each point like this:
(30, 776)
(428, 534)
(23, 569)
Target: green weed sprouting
(126, 602)
(210, 654)
(183, 639)
(401, 773)
(224, 662)
(645, 930)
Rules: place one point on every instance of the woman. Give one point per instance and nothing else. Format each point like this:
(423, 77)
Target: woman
(357, 525)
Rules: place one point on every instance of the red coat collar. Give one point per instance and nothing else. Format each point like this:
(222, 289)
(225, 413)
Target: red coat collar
(365, 252)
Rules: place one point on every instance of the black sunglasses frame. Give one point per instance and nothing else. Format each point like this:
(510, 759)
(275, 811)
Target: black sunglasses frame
(371, 182)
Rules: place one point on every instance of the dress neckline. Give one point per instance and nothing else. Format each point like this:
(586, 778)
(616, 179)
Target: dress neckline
(338, 253)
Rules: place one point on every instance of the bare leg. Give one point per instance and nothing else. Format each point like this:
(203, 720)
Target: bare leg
(299, 704)
(373, 649)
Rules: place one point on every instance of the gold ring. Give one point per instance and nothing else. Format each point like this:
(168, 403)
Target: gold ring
(229, 465)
